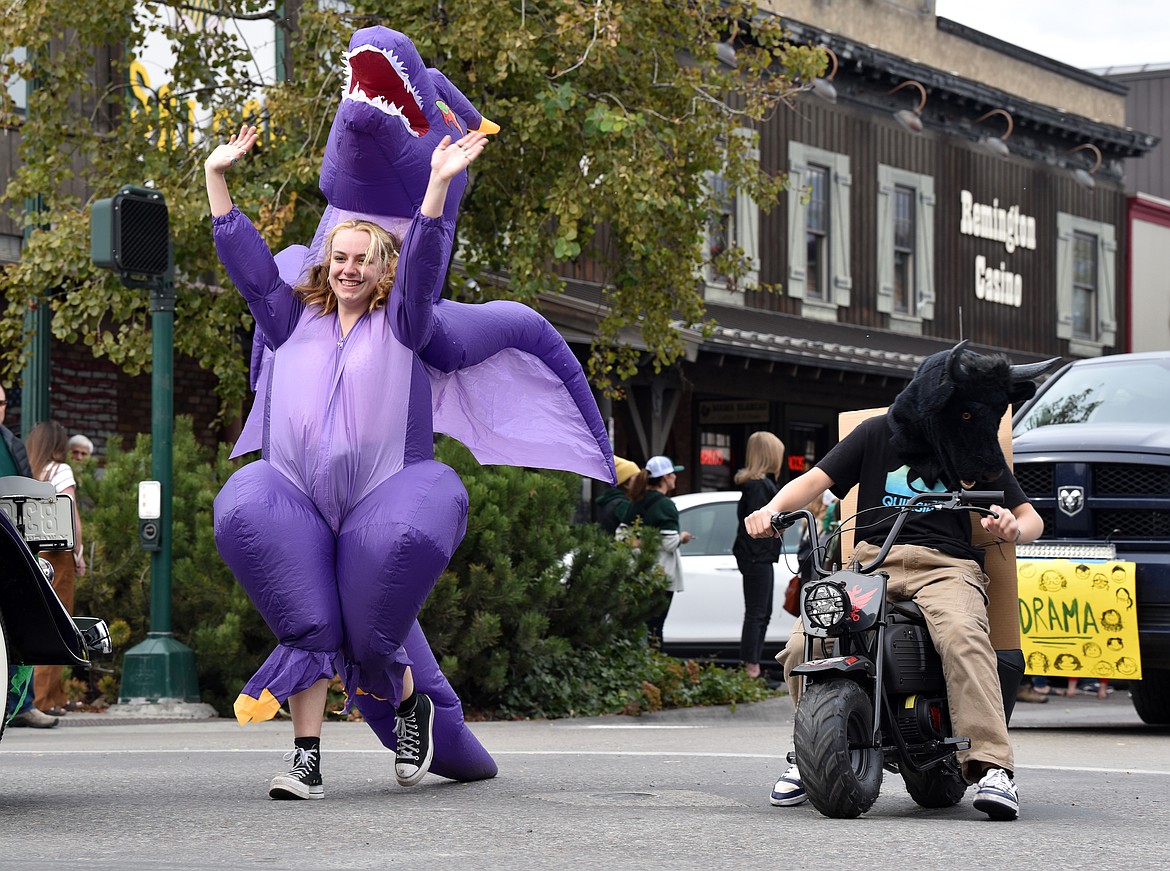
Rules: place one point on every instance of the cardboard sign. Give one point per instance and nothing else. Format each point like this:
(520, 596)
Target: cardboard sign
(1079, 618)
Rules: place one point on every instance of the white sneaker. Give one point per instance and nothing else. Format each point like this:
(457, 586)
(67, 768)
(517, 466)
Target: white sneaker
(789, 790)
(997, 796)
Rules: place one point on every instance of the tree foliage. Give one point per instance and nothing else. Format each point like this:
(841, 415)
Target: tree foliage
(615, 116)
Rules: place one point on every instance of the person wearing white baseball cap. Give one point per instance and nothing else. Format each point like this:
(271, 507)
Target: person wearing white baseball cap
(660, 467)
(651, 497)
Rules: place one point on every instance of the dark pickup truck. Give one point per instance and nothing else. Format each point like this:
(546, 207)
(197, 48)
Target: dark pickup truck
(1092, 452)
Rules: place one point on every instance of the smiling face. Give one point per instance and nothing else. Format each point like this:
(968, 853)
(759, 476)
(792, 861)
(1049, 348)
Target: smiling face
(353, 273)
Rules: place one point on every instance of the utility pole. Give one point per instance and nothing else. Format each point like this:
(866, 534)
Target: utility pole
(38, 322)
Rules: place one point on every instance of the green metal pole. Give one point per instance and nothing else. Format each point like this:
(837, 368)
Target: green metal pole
(161, 668)
(35, 379)
(162, 396)
(34, 393)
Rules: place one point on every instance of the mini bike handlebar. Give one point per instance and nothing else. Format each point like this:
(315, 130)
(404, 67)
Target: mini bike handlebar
(962, 500)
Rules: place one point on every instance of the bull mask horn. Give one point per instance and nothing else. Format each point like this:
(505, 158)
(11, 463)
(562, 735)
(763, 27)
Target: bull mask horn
(1032, 371)
(955, 361)
(1019, 372)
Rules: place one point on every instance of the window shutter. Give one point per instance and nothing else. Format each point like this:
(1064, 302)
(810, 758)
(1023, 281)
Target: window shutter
(885, 242)
(1106, 293)
(797, 262)
(839, 232)
(1064, 276)
(924, 256)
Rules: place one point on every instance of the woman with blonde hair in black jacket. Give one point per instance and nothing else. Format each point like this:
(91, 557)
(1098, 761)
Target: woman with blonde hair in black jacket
(755, 557)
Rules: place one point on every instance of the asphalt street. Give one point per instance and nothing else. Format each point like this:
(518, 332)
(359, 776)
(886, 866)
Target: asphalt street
(678, 789)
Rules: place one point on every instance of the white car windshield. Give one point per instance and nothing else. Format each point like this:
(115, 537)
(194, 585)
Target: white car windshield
(1134, 391)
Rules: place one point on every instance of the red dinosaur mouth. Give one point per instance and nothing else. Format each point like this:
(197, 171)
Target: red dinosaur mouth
(378, 78)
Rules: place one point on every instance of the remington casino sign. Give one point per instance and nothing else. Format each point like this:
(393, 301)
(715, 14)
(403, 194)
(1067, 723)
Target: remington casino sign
(1007, 227)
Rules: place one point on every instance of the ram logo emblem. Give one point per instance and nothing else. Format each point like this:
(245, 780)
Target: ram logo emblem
(1071, 500)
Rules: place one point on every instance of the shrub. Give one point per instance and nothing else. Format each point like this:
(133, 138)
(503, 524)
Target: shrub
(535, 616)
(527, 584)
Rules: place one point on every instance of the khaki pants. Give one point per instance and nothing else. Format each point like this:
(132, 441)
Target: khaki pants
(47, 678)
(952, 594)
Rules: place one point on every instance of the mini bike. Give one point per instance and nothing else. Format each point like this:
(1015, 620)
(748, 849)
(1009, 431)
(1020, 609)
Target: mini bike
(880, 702)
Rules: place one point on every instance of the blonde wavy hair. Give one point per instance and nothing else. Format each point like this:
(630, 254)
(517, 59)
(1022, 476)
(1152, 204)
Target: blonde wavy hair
(765, 455)
(383, 249)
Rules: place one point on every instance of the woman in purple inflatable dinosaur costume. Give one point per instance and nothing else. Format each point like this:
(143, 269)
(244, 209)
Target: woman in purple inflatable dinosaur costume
(339, 532)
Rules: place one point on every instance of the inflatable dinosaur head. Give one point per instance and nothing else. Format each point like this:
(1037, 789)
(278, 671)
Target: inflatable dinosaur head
(394, 111)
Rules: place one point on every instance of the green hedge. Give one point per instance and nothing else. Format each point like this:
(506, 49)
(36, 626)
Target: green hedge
(535, 616)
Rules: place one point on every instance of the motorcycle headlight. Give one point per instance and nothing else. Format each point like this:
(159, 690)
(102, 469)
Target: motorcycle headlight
(46, 568)
(825, 605)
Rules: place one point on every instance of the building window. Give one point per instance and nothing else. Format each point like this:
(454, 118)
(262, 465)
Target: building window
(721, 229)
(734, 223)
(1084, 286)
(816, 233)
(905, 238)
(714, 459)
(9, 248)
(818, 230)
(904, 223)
(17, 88)
(1086, 271)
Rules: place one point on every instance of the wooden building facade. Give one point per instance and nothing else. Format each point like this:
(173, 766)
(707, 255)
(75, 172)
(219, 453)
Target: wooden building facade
(925, 208)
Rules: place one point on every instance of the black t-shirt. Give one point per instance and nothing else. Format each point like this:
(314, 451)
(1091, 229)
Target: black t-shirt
(866, 458)
(755, 494)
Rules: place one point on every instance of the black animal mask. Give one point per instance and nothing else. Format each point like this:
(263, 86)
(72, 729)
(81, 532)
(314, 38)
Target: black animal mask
(945, 422)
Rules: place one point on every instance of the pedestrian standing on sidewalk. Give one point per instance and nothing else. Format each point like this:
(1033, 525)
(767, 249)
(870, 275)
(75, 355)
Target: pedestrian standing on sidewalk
(48, 450)
(650, 494)
(757, 557)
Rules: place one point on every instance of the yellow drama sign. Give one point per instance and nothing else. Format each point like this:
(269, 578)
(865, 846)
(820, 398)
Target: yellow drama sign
(1079, 618)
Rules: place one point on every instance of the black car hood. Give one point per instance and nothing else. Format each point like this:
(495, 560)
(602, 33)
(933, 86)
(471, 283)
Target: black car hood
(1120, 437)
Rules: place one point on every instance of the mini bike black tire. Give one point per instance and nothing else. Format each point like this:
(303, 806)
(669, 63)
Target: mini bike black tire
(841, 783)
(941, 786)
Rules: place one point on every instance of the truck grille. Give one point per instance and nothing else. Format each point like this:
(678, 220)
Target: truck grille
(1107, 487)
(1127, 480)
(1037, 479)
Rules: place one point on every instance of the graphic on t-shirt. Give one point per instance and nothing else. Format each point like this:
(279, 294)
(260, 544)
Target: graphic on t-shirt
(900, 488)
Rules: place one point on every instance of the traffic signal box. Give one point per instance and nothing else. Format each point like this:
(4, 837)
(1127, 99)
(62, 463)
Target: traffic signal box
(130, 233)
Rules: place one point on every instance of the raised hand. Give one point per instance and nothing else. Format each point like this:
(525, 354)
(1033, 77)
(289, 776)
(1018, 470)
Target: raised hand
(235, 149)
(451, 158)
(218, 163)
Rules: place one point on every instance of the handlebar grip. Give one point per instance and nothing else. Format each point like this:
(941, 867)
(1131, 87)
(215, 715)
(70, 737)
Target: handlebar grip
(983, 497)
(783, 520)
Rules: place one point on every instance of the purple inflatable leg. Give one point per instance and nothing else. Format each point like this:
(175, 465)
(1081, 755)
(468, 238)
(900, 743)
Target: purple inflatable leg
(458, 753)
(282, 552)
(391, 549)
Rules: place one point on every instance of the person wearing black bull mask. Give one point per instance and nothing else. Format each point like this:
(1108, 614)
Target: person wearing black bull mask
(940, 434)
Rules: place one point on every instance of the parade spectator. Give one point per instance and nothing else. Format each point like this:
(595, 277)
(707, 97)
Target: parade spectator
(48, 450)
(756, 557)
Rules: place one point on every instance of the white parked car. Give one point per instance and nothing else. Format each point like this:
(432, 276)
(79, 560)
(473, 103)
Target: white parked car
(706, 619)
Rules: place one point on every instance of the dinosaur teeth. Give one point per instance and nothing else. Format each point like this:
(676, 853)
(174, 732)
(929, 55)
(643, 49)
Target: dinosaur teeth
(356, 89)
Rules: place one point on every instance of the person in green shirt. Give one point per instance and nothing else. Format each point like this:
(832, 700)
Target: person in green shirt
(652, 503)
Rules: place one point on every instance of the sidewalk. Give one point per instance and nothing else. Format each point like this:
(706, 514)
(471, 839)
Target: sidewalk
(1076, 712)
